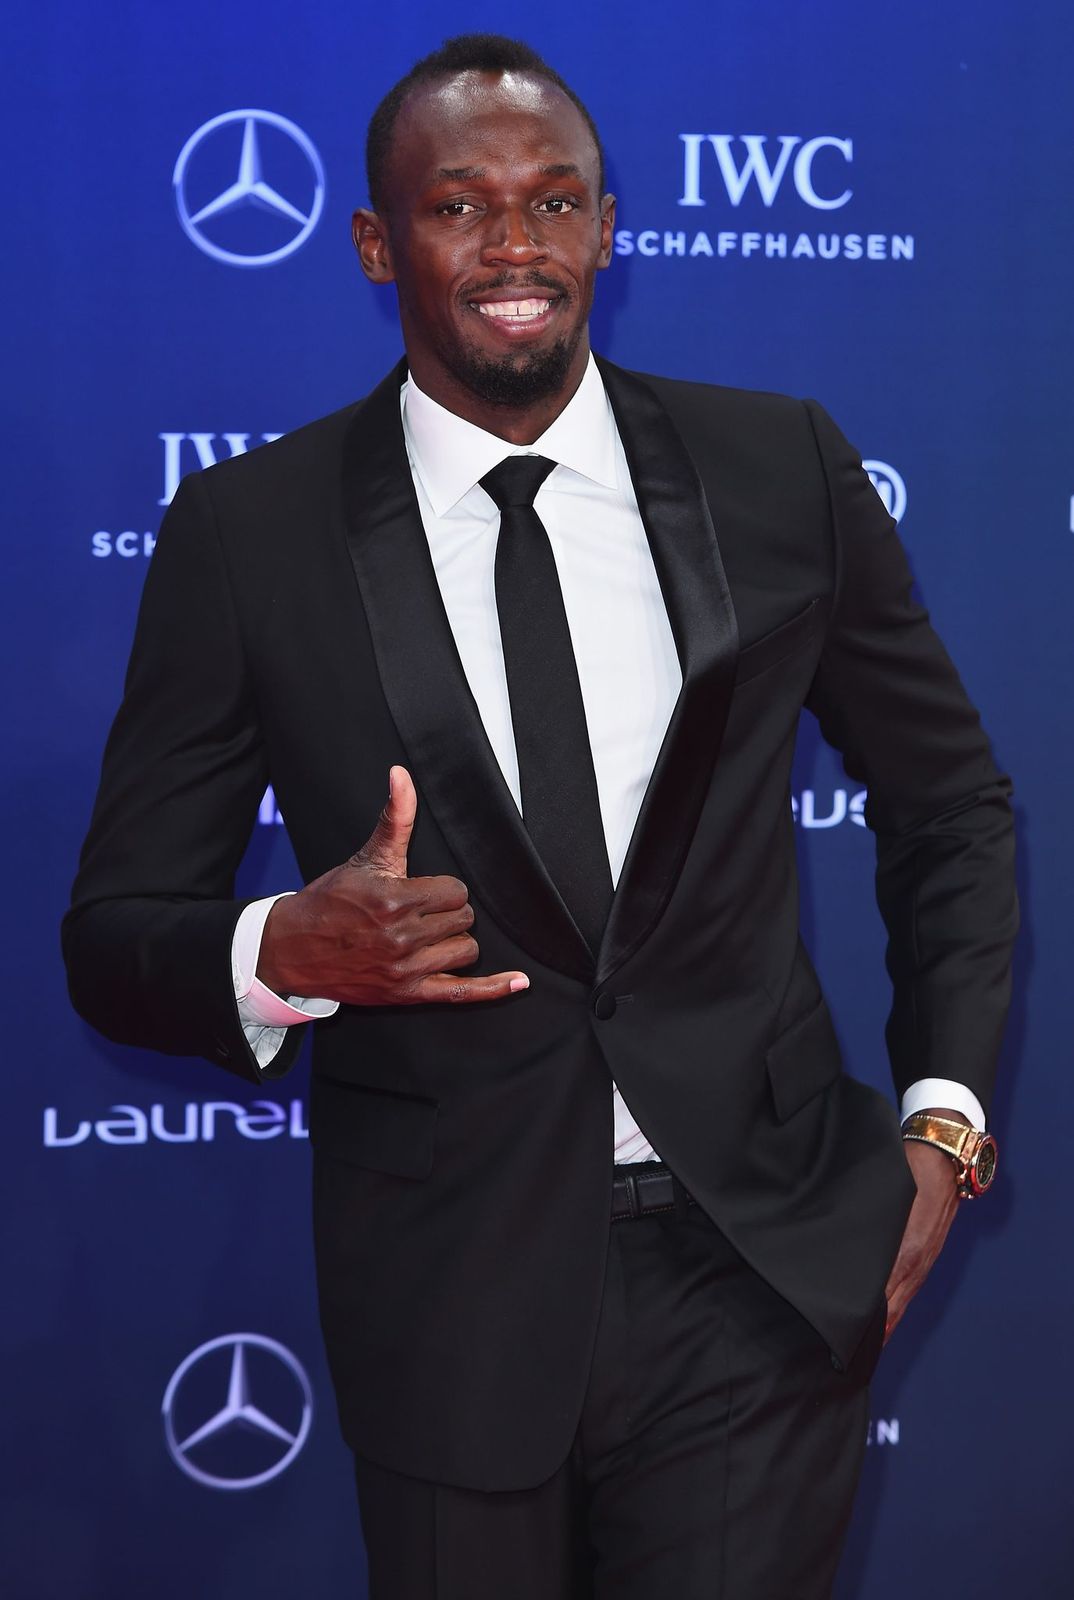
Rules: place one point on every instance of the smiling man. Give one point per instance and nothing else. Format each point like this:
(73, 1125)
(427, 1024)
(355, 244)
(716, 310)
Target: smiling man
(491, 236)
(607, 1241)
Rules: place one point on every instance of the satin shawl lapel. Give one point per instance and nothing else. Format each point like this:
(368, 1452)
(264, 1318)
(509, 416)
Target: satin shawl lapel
(452, 762)
(688, 565)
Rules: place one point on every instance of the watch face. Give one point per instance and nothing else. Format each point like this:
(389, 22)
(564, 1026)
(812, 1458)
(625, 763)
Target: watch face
(984, 1168)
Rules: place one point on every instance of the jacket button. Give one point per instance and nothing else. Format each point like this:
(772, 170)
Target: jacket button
(604, 1007)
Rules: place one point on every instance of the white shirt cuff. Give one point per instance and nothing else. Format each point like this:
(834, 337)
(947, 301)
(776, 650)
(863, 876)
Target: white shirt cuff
(927, 1094)
(259, 1006)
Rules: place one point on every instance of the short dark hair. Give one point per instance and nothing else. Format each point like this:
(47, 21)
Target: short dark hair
(468, 52)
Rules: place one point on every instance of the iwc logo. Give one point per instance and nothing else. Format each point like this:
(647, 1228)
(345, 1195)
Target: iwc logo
(237, 1411)
(765, 197)
(249, 188)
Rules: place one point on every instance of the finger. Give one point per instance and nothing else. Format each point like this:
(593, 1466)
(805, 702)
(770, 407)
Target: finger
(432, 927)
(897, 1277)
(460, 951)
(897, 1307)
(386, 847)
(430, 895)
(446, 986)
(903, 1284)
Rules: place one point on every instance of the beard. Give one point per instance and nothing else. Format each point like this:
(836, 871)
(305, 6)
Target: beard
(516, 380)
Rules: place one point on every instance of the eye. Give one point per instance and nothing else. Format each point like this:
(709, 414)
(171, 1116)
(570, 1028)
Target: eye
(559, 204)
(455, 208)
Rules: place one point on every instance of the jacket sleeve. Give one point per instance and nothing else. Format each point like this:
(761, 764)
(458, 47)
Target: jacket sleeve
(888, 698)
(147, 940)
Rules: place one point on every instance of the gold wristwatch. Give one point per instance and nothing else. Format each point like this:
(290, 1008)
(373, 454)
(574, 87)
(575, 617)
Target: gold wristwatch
(973, 1153)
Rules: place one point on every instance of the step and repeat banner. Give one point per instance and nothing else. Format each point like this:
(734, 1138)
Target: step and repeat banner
(863, 203)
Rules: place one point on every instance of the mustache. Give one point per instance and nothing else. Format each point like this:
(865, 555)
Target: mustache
(514, 280)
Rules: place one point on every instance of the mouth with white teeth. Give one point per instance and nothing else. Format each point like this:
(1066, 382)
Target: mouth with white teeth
(524, 315)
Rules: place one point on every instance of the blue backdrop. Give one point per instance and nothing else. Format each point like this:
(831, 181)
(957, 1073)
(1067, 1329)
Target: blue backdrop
(865, 203)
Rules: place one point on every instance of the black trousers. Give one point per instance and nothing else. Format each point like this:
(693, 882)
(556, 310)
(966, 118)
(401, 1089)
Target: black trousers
(717, 1457)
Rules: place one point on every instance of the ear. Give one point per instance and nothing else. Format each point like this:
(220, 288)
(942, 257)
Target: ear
(607, 229)
(371, 242)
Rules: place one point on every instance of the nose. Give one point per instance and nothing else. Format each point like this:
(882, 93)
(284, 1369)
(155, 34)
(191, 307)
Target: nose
(514, 236)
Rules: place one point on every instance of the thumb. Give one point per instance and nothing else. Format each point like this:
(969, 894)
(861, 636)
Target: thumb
(387, 845)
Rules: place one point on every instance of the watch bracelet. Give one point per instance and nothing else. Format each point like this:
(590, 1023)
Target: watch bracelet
(965, 1176)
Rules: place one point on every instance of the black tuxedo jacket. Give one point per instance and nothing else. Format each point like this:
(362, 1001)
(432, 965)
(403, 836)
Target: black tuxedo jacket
(292, 630)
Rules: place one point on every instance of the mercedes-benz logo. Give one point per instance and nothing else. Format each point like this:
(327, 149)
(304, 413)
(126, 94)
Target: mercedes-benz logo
(271, 1441)
(250, 189)
(889, 486)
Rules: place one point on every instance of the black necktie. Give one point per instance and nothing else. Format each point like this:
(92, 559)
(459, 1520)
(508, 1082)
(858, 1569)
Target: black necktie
(560, 806)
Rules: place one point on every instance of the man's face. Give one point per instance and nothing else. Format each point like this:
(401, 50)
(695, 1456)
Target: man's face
(492, 230)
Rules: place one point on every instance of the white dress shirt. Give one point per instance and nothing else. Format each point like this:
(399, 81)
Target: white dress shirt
(628, 668)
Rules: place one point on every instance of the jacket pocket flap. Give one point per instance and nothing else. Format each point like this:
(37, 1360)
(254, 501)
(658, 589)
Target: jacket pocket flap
(776, 645)
(373, 1128)
(803, 1061)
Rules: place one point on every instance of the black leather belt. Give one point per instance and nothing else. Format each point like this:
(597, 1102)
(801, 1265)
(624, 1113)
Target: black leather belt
(650, 1189)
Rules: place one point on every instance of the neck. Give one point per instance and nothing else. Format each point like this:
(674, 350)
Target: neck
(515, 424)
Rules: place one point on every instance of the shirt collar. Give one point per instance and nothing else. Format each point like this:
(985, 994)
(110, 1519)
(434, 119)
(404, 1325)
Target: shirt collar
(451, 455)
